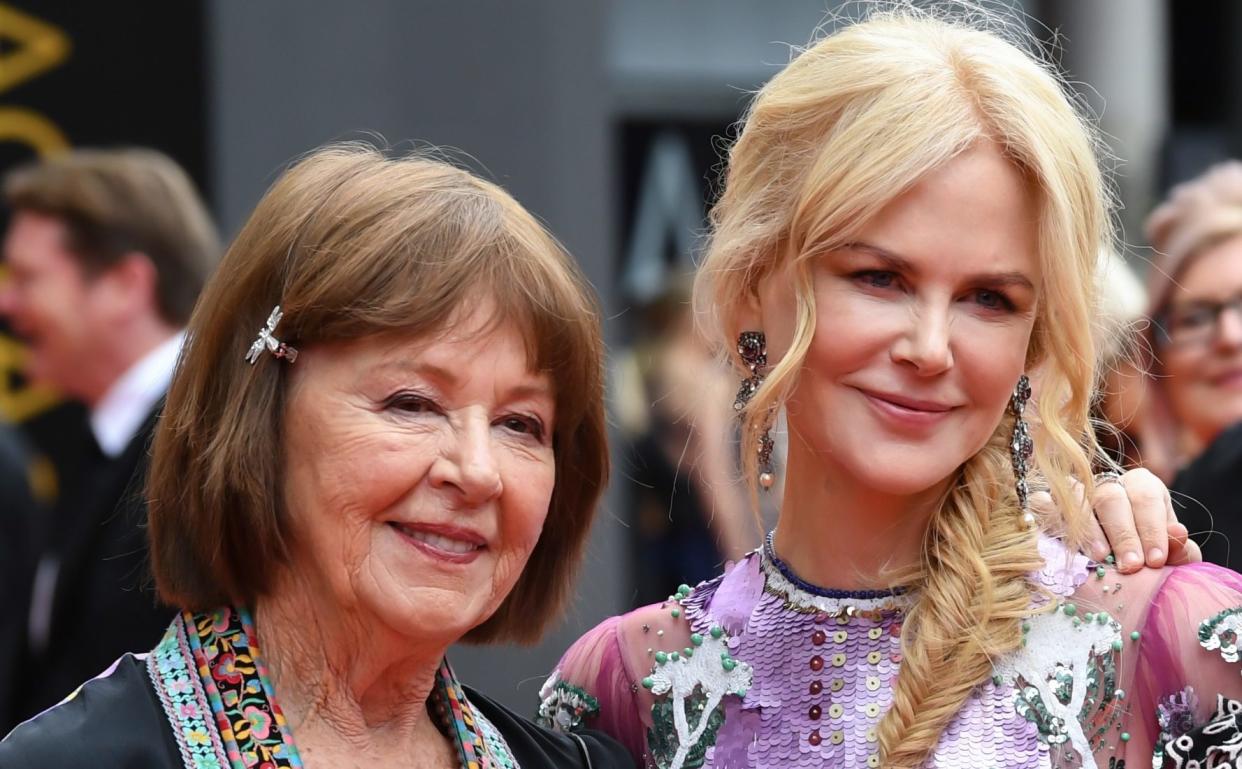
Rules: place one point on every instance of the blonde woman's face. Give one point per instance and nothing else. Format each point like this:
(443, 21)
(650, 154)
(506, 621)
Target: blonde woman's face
(921, 334)
(1203, 360)
(418, 474)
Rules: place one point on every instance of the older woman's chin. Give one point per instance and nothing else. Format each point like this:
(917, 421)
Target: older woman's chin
(426, 613)
(428, 603)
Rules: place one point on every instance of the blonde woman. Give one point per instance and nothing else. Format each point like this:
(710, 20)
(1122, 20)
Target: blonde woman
(910, 222)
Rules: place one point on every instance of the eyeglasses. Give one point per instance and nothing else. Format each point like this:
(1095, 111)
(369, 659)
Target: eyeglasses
(1194, 323)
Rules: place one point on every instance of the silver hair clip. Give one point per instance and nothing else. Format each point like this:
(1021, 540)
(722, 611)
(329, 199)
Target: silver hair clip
(266, 340)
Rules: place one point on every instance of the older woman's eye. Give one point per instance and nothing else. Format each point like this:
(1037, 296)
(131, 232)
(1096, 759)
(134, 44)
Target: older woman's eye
(410, 403)
(524, 425)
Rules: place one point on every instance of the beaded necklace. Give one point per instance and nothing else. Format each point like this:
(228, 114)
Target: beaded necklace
(804, 597)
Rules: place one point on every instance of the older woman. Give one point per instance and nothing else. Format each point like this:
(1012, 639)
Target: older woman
(386, 436)
(910, 222)
(1193, 422)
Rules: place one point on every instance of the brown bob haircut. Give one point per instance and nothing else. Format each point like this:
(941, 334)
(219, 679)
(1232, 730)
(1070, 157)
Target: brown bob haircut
(120, 201)
(351, 243)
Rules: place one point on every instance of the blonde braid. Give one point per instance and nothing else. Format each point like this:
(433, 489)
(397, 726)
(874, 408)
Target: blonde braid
(977, 558)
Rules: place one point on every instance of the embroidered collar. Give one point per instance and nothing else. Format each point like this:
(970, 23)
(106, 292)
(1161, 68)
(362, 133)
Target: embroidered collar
(216, 693)
(783, 583)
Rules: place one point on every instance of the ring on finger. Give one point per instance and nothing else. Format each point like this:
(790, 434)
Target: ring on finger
(1108, 476)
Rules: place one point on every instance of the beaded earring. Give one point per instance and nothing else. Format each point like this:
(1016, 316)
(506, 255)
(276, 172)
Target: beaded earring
(1021, 447)
(752, 347)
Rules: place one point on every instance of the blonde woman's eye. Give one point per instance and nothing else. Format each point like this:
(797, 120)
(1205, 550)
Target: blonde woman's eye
(993, 300)
(876, 278)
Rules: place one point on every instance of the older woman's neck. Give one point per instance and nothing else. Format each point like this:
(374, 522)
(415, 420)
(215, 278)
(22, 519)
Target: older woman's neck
(341, 678)
(837, 533)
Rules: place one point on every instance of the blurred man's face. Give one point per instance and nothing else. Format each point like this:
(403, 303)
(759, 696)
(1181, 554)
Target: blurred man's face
(48, 300)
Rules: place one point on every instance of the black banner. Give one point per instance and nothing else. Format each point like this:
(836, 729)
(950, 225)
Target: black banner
(118, 73)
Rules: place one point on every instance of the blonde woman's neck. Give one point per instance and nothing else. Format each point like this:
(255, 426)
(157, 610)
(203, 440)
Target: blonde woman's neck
(837, 533)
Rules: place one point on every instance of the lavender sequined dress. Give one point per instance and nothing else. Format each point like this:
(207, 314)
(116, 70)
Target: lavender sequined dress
(758, 669)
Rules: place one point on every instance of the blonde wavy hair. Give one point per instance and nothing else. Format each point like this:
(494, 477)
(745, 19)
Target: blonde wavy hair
(854, 120)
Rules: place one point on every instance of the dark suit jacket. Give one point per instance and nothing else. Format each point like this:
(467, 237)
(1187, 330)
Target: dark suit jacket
(1208, 496)
(104, 604)
(18, 512)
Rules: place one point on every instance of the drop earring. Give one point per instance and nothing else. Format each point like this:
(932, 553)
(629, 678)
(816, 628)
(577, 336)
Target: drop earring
(752, 347)
(1021, 447)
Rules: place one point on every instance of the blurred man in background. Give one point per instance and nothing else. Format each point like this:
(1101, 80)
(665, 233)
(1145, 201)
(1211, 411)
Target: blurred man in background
(106, 253)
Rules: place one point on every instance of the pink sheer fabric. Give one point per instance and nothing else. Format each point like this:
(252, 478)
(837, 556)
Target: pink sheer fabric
(1161, 662)
(610, 661)
(1171, 658)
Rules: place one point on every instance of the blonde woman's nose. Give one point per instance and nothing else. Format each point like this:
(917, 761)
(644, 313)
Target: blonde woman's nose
(926, 343)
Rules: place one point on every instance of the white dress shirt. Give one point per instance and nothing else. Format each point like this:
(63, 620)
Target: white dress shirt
(123, 409)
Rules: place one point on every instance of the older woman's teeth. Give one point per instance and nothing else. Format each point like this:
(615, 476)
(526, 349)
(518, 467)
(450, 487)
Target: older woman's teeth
(441, 543)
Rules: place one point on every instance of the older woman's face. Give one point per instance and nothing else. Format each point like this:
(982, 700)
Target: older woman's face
(1203, 358)
(418, 473)
(921, 333)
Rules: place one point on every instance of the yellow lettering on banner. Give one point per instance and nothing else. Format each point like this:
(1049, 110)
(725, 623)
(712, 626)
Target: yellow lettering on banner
(24, 126)
(38, 47)
(20, 405)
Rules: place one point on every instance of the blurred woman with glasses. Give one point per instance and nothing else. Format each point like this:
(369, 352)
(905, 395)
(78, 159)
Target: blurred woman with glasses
(1193, 427)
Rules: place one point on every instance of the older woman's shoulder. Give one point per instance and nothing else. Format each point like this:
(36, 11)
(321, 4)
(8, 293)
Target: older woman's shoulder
(534, 746)
(112, 721)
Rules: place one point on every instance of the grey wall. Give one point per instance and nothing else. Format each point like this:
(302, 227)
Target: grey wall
(519, 86)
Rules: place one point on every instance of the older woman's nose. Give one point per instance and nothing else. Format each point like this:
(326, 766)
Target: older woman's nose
(925, 344)
(468, 466)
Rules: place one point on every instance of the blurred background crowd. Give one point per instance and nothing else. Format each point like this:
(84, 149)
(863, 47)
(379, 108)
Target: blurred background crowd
(135, 137)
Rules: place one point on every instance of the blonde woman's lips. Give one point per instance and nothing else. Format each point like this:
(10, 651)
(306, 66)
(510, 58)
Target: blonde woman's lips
(905, 412)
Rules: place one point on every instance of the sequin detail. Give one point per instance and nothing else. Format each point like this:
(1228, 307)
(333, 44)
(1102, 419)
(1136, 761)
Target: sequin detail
(1176, 716)
(823, 667)
(1220, 633)
(1065, 677)
(1217, 743)
(563, 706)
(689, 691)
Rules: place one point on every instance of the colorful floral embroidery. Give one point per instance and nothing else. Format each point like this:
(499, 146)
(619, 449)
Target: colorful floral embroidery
(183, 701)
(216, 693)
(462, 723)
(227, 656)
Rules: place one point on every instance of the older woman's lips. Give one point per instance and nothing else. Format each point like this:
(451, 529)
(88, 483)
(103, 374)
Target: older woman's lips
(445, 544)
